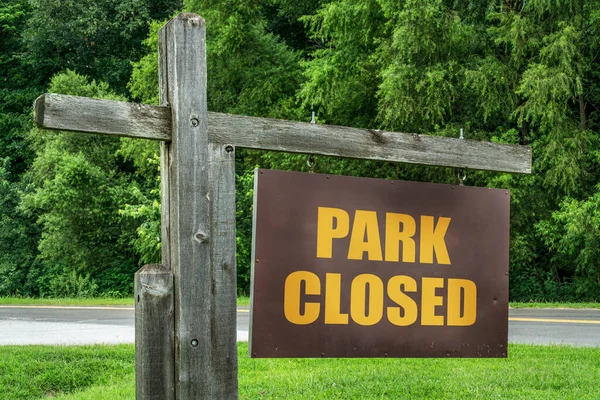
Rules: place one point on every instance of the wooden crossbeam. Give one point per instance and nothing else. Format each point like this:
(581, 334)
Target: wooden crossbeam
(106, 117)
(340, 141)
(79, 114)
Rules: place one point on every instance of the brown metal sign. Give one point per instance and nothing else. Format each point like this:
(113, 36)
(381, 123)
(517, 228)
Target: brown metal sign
(360, 267)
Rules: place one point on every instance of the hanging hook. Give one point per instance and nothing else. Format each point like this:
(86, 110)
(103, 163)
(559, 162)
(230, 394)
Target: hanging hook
(461, 172)
(311, 158)
(464, 176)
(311, 163)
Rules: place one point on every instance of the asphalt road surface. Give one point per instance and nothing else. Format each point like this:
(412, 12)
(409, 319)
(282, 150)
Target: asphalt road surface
(546, 326)
(87, 325)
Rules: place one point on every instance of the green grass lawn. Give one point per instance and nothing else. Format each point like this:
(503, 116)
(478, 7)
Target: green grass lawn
(127, 301)
(29, 301)
(555, 305)
(107, 372)
(241, 301)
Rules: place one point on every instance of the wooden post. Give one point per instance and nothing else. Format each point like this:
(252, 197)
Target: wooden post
(198, 219)
(154, 349)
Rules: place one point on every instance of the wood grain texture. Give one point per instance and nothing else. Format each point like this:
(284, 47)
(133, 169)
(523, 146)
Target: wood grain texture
(201, 217)
(106, 117)
(154, 333)
(152, 122)
(221, 180)
(165, 179)
(302, 137)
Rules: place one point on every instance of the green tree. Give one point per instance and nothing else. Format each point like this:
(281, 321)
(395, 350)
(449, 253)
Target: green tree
(251, 71)
(18, 233)
(512, 71)
(37, 40)
(546, 50)
(16, 91)
(18, 239)
(573, 236)
(79, 184)
(95, 39)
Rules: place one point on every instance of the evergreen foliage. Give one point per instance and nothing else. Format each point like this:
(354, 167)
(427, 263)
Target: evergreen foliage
(80, 183)
(79, 214)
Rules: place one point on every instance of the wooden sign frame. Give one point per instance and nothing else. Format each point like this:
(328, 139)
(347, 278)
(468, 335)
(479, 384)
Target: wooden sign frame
(186, 307)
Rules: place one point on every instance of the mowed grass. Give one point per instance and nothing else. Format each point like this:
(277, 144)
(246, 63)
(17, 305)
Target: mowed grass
(83, 302)
(107, 372)
(555, 305)
(34, 372)
(241, 301)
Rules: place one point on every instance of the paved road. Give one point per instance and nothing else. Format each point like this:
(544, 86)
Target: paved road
(61, 325)
(82, 325)
(545, 326)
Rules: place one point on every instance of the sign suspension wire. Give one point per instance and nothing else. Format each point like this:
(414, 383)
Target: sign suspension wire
(311, 158)
(462, 172)
(461, 179)
(311, 163)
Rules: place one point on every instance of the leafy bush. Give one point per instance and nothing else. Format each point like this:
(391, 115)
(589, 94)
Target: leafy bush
(573, 236)
(71, 284)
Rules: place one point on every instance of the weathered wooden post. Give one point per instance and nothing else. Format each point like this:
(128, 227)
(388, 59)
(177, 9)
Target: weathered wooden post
(198, 216)
(198, 237)
(154, 338)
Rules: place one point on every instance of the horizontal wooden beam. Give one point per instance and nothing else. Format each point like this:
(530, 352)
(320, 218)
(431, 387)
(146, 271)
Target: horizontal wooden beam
(152, 122)
(106, 117)
(339, 141)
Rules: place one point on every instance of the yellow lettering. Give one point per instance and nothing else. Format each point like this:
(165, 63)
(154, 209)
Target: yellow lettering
(394, 235)
(365, 222)
(468, 299)
(326, 231)
(333, 298)
(429, 301)
(292, 294)
(395, 288)
(367, 300)
(432, 240)
(358, 303)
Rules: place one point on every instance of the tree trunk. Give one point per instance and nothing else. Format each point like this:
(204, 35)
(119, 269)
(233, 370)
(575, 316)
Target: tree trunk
(524, 132)
(582, 114)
